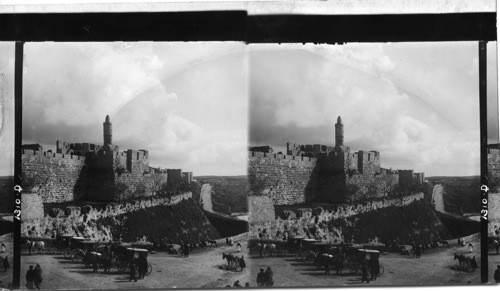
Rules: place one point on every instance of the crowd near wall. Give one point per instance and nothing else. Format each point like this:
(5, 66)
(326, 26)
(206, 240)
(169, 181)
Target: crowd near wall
(284, 178)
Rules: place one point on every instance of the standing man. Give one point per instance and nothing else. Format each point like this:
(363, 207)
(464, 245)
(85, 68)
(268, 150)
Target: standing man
(30, 278)
(374, 268)
(261, 278)
(496, 276)
(495, 244)
(269, 277)
(364, 273)
(38, 276)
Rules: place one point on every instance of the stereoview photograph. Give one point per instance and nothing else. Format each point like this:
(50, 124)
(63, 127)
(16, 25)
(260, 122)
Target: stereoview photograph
(134, 166)
(364, 164)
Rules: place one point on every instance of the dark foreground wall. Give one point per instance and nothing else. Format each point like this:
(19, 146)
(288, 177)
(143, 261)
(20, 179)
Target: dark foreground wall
(459, 227)
(227, 226)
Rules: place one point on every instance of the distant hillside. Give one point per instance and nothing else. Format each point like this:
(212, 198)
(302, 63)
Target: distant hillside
(461, 194)
(460, 179)
(209, 179)
(229, 193)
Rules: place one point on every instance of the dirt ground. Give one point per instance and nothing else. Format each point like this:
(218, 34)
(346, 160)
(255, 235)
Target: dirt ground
(6, 277)
(200, 269)
(433, 268)
(493, 262)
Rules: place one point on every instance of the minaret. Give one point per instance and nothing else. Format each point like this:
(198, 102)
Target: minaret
(108, 133)
(339, 133)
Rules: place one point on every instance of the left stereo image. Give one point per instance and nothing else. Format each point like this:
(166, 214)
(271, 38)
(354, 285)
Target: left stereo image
(133, 165)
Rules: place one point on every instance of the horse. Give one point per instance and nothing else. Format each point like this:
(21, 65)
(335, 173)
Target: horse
(212, 242)
(231, 260)
(324, 260)
(252, 247)
(444, 242)
(107, 261)
(173, 249)
(36, 245)
(404, 251)
(462, 261)
(271, 248)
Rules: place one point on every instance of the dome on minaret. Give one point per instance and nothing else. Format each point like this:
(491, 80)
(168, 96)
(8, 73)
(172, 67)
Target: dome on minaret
(339, 120)
(107, 119)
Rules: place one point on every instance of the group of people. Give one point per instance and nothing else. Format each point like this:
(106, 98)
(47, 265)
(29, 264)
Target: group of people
(229, 242)
(371, 266)
(138, 268)
(238, 284)
(265, 279)
(34, 277)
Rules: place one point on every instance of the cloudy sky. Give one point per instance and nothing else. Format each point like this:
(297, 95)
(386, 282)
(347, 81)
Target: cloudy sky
(417, 104)
(184, 102)
(188, 102)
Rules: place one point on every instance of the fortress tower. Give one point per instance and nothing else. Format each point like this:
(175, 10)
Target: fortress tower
(108, 133)
(339, 133)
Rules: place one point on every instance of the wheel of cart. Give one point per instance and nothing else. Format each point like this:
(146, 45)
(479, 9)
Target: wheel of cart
(354, 267)
(367, 256)
(150, 269)
(122, 266)
(50, 251)
(67, 253)
(309, 257)
(381, 271)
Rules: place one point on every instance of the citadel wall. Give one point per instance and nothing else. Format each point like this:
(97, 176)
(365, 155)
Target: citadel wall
(260, 209)
(99, 176)
(32, 206)
(285, 178)
(347, 210)
(84, 223)
(55, 177)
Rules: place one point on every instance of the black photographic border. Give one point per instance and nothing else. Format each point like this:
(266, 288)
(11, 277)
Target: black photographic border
(239, 26)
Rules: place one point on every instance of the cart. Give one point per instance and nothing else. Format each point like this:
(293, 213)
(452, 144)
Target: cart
(307, 251)
(356, 259)
(126, 255)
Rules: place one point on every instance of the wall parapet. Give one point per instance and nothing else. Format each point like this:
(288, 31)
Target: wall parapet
(280, 156)
(52, 155)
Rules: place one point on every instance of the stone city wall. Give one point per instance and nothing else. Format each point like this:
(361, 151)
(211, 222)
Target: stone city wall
(84, 222)
(284, 178)
(32, 206)
(261, 209)
(55, 177)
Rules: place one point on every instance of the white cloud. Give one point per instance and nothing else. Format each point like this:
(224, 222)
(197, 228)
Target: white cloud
(424, 119)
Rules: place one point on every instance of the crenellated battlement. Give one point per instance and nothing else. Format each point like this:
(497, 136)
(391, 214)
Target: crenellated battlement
(53, 155)
(280, 156)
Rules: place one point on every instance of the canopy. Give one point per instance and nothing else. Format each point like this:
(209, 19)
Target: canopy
(137, 250)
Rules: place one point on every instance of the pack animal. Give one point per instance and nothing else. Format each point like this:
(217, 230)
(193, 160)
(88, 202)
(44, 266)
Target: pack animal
(270, 249)
(36, 246)
(232, 261)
